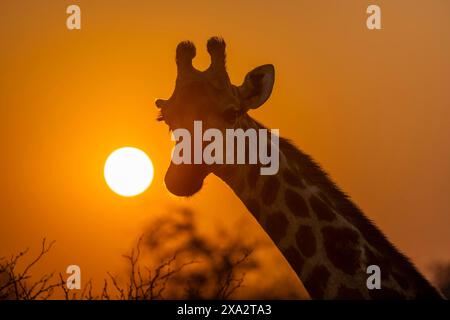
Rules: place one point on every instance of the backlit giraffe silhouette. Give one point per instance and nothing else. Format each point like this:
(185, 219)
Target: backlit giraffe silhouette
(324, 236)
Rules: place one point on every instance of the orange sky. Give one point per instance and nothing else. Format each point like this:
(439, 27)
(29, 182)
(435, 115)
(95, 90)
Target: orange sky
(371, 106)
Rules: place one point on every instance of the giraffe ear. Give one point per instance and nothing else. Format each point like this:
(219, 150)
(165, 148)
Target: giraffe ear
(257, 86)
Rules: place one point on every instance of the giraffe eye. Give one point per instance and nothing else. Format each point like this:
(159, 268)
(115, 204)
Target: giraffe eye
(230, 115)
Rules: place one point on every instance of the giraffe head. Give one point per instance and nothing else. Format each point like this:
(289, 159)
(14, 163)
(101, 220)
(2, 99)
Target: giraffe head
(208, 96)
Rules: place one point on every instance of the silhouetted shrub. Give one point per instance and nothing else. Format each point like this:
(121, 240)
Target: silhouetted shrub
(179, 263)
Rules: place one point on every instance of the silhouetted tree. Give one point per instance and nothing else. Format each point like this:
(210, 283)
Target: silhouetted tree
(16, 284)
(219, 261)
(181, 263)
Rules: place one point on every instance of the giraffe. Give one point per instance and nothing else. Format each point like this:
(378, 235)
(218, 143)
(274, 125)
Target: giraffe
(323, 235)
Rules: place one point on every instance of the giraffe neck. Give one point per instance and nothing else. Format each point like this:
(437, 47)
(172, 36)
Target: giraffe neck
(326, 239)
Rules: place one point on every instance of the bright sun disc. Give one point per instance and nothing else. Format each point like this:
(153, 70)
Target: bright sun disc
(128, 171)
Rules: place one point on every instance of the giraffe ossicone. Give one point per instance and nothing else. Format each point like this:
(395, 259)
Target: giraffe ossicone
(324, 236)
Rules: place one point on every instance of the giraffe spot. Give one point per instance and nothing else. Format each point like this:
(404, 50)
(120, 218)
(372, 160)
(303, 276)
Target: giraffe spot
(321, 209)
(254, 207)
(296, 203)
(252, 176)
(270, 190)
(317, 281)
(291, 179)
(324, 197)
(294, 258)
(345, 293)
(306, 241)
(277, 225)
(341, 246)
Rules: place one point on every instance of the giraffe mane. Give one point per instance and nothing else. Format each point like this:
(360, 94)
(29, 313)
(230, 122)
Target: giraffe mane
(350, 211)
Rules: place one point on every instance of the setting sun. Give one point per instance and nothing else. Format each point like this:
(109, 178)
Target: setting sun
(128, 171)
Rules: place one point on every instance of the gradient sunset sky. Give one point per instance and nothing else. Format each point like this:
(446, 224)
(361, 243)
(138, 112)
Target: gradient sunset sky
(372, 107)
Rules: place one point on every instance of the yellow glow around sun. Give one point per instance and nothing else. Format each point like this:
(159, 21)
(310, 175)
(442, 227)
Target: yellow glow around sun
(128, 171)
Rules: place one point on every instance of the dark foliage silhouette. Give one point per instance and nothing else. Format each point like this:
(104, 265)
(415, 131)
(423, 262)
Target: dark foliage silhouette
(172, 259)
(15, 284)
